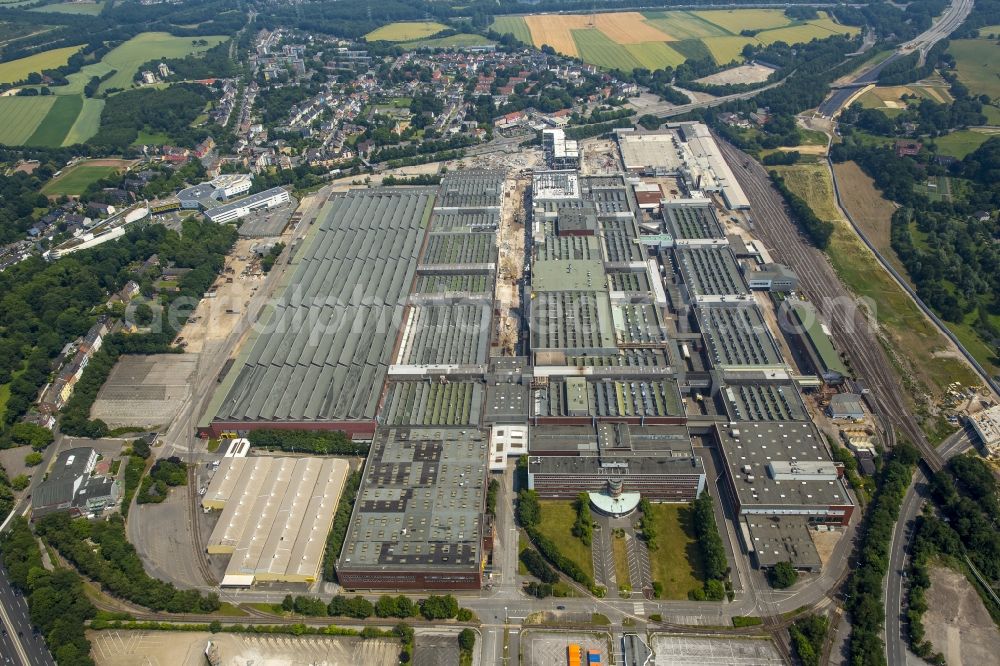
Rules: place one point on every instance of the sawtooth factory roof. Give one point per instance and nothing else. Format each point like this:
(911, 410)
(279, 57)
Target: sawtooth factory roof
(329, 342)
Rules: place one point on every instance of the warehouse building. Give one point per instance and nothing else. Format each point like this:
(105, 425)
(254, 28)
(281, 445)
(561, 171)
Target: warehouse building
(322, 359)
(776, 278)
(418, 520)
(736, 337)
(276, 514)
(804, 323)
(710, 273)
(782, 469)
(693, 222)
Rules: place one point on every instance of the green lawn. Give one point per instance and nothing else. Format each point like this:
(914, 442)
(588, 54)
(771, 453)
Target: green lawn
(128, 57)
(146, 138)
(961, 143)
(74, 181)
(676, 563)
(557, 521)
(405, 31)
(513, 25)
(58, 122)
(978, 65)
(620, 549)
(4, 397)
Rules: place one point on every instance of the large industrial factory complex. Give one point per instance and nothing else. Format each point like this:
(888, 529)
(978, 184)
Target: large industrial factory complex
(644, 358)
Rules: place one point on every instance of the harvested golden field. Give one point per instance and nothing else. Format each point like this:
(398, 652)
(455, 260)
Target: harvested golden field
(556, 31)
(629, 28)
(865, 204)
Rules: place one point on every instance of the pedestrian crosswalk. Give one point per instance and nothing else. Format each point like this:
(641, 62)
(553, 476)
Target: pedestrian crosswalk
(638, 608)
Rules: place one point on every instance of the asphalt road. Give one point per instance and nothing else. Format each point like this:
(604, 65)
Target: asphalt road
(896, 643)
(18, 642)
(951, 18)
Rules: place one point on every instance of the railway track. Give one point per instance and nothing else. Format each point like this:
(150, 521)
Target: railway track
(853, 331)
(199, 546)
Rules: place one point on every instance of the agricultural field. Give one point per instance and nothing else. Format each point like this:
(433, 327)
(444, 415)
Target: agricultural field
(513, 25)
(978, 65)
(16, 70)
(21, 117)
(646, 39)
(459, 40)
(128, 57)
(75, 180)
(405, 31)
(891, 97)
(87, 8)
(57, 122)
(87, 123)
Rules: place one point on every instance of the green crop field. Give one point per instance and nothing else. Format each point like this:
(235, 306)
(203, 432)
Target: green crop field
(597, 48)
(87, 123)
(75, 180)
(655, 55)
(405, 31)
(978, 65)
(683, 25)
(729, 48)
(736, 20)
(819, 29)
(57, 122)
(513, 25)
(88, 8)
(128, 57)
(16, 70)
(21, 117)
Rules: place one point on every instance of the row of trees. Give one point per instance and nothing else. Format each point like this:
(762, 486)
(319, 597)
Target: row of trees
(341, 521)
(529, 515)
(865, 603)
(434, 607)
(713, 553)
(818, 231)
(321, 442)
(583, 527)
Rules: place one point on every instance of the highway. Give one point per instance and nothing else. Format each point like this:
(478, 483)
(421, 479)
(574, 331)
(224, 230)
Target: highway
(19, 644)
(667, 110)
(951, 18)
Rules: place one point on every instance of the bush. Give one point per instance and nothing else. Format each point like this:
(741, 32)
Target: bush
(467, 640)
(33, 459)
(782, 575)
(529, 511)
(539, 590)
(437, 607)
(746, 621)
(20, 482)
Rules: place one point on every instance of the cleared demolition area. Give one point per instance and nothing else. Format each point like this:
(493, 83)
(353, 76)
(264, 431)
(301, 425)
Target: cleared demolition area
(276, 514)
(145, 391)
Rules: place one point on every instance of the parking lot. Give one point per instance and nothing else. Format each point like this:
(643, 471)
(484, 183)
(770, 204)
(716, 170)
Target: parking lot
(548, 648)
(128, 648)
(705, 651)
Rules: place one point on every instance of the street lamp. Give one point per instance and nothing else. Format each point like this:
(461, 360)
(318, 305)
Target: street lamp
(505, 615)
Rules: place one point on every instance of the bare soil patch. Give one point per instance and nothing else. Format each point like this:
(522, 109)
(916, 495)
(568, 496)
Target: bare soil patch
(957, 622)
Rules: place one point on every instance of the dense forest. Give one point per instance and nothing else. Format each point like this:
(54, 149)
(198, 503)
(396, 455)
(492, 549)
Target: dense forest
(170, 111)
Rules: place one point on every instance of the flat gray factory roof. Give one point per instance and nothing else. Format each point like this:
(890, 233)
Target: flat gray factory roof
(736, 335)
(423, 403)
(421, 501)
(613, 439)
(568, 248)
(780, 464)
(763, 402)
(326, 349)
(606, 398)
(568, 275)
(782, 539)
(618, 237)
(506, 402)
(692, 221)
(577, 466)
(710, 271)
(473, 188)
